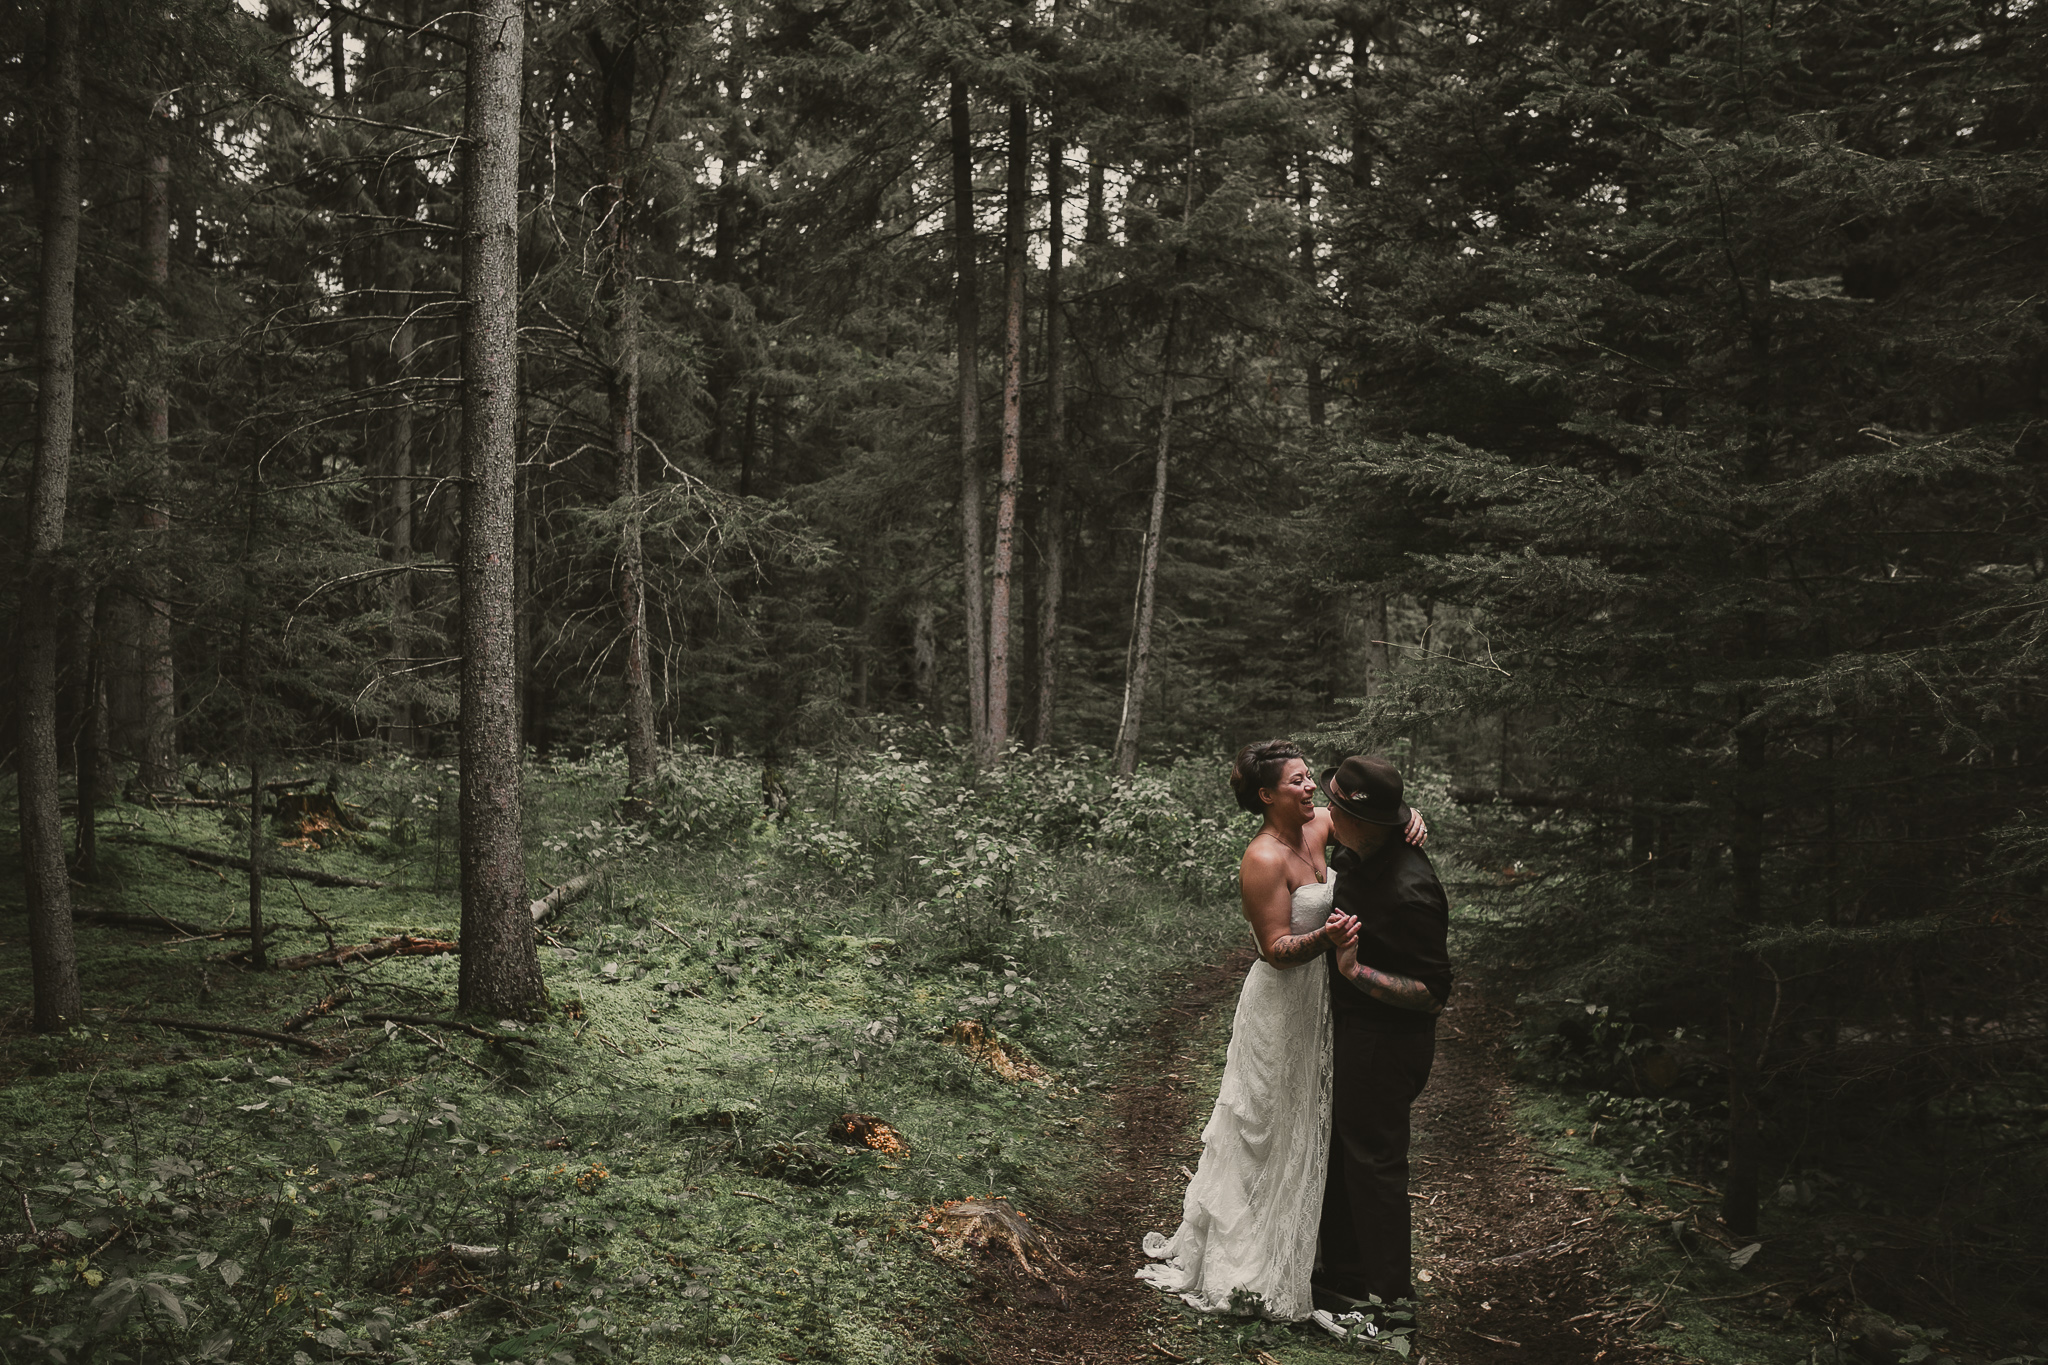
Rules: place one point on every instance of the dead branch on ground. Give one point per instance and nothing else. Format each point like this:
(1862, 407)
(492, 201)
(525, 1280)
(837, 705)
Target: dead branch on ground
(312, 875)
(268, 1035)
(398, 945)
(569, 892)
(319, 1009)
(453, 1025)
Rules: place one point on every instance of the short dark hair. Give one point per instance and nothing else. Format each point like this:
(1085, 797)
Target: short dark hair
(1257, 768)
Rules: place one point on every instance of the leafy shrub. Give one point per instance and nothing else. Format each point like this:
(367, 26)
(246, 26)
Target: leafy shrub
(702, 798)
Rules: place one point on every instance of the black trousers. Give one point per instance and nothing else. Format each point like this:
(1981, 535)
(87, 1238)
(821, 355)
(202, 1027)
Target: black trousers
(1364, 1235)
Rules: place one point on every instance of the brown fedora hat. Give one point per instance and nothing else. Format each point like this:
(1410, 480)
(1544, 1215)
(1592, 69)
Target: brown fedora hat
(1368, 788)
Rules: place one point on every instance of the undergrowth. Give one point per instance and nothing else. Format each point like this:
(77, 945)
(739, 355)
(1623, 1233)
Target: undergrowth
(645, 1173)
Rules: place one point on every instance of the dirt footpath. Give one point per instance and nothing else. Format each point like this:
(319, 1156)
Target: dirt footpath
(1520, 1267)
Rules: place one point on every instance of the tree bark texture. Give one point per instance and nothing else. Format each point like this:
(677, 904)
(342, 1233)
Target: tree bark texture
(620, 293)
(967, 328)
(1053, 532)
(1140, 658)
(500, 973)
(53, 957)
(1016, 225)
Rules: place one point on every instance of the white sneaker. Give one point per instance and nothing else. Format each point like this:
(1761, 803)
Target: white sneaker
(1345, 1326)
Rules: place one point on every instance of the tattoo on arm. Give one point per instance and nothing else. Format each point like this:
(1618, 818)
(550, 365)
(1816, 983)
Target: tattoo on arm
(1402, 992)
(1291, 950)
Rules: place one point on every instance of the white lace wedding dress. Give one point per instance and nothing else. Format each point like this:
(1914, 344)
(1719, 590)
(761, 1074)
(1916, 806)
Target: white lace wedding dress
(1249, 1220)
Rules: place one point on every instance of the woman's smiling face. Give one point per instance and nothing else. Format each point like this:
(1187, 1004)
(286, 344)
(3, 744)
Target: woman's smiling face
(1296, 789)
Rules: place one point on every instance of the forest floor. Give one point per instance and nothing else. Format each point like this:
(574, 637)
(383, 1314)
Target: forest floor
(651, 1154)
(1518, 1263)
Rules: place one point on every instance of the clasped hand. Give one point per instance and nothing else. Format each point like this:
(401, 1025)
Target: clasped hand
(1341, 932)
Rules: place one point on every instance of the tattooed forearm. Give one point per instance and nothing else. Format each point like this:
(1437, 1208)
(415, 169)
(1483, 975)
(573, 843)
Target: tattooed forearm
(1402, 992)
(1291, 950)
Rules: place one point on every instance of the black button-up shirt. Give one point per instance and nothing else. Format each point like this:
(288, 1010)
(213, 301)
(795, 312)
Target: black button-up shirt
(1404, 922)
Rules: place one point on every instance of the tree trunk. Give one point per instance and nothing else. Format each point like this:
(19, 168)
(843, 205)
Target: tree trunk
(1095, 231)
(259, 956)
(526, 550)
(1749, 994)
(500, 973)
(337, 52)
(157, 737)
(399, 197)
(924, 654)
(1053, 533)
(1139, 660)
(1312, 364)
(1379, 654)
(53, 957)
(1016, 226)
(620, 292)
(967, 329)
(398, 512)
(718, 385)
(91, 726)
(747, 442)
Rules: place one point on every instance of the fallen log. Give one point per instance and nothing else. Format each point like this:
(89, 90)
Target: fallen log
(568, 893)
(405, 945)
(398, 945)
(268, 1035)
(289, 784)
(291, 871)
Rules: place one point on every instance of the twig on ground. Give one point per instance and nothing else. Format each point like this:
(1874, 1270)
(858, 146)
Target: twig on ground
(318, 918)
(445, 1315)
(270, 869)
(21, 1193)
(1513, 1257)
(454, 1056)
(455, 1025)
(1747, 1293)
(268, 1035)
(121, 920)
(400, 945)
(319, 1008)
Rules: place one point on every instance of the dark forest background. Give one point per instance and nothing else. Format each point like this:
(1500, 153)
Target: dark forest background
(1633, 415)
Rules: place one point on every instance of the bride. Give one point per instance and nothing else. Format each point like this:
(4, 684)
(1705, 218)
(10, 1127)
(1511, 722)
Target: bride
(1247, 1238)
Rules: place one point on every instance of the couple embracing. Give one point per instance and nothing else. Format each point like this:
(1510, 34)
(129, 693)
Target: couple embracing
(1300, 1206)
